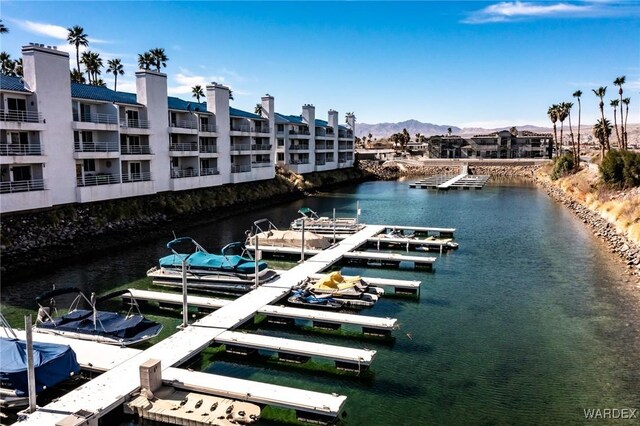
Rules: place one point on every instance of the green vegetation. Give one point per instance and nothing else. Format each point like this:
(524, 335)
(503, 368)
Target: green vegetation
(562, 166)
(621, 168)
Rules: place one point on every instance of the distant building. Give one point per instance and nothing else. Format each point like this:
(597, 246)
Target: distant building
(502, 144)
(63, 142)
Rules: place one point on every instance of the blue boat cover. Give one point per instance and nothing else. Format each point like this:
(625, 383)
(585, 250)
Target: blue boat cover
(53, 363)
(213, 262)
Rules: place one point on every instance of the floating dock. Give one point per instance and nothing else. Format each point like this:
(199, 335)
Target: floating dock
(461, 181)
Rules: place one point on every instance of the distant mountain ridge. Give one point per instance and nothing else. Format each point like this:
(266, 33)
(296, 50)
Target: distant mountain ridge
(384, 130)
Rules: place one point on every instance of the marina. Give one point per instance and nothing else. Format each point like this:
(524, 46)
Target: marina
(464, 180)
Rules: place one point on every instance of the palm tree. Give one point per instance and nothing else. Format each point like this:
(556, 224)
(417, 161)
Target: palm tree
(600, 92)
(6, 64)
(145, 60)
(93, 64)
(197, 92)
(619, 82)
(602, 131)
(567, 107)
(449, 130)
(231, 95)
(78, 38)
(626, 101)
(258, 109)
(552, 112)
(159, 58)
(614, 103)
(100, 82)
(3, 29)
(77, 76)
(577, 95)
(114, 66)
(18, 70)
(562, 114)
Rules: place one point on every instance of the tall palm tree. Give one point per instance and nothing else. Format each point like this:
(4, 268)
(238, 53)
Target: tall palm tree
(600, 92)
(231, 95)
(562, 114)
(552, 112)
(77, 76)
(602, 131)
(145, 60)
(18, 69)
(6, 64)
(567, 107)
(93, 64)
(626, 101)
(77, 37)
(3, 29)
(614, 104)
(258, 109)
(577, 95)
(197, 92)
(619, 82)
(114, 66)
(159, 58)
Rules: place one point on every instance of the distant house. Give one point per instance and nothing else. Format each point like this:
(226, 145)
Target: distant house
(501, 144)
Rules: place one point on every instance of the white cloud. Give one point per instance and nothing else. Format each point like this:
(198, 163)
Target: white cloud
(50, 30)
(510, 11)
(186, 80)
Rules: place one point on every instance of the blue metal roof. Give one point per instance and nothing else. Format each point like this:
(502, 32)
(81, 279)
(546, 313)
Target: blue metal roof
(15, 84)
(234, 112)
(99, 93)
(294, 119)
(182, 105)
(322, 123)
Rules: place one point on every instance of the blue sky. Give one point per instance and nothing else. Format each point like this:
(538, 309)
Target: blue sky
(459, 63)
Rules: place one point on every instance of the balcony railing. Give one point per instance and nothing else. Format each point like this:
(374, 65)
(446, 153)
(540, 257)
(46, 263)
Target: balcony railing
(19, 115)
(136, 124)
(209, 172)
(183, 173)
(259, 164)
(299, 147)
(207, 127)
(299, 161)
(347, 134)
(320, 131)
(241, 168)
(299, 132)
(211, 149)
(22, 186)
(262, 129)
(240, 128)
(320, 162)
(98, 118)
(321, 146)
(260, 147)
(183, 147)
(184, 124)
(135, 149)
(345, 146)
(99, 179)
(96, 146)
(20, 149)
(136, 177)
(240, 147)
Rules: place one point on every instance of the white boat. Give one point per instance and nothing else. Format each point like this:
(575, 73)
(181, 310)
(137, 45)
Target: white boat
(352, 291)
(324, 225)
(267, 234)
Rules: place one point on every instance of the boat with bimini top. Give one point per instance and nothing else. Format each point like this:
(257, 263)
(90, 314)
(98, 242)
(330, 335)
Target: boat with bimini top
(323, 224)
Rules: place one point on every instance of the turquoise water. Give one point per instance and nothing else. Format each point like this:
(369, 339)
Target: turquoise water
(529, 322)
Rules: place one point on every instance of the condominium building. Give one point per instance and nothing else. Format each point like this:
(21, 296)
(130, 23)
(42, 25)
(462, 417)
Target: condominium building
(63, 142)
(502, 144)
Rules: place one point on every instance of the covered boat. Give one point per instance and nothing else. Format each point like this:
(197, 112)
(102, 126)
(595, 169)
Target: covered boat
(272, 236)
(308, 299)
(226, 271)
(324, 225)
(92, 324)
(353, 290)
(54, 364)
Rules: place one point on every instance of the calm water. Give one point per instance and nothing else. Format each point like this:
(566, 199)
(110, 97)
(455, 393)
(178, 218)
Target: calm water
(529, 322)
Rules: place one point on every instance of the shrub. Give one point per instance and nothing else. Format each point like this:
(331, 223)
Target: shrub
(621, 168)
(562, 166)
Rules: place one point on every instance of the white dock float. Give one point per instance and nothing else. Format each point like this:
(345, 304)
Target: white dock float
(463, 180)
(109, 390)
(162, 298)
(326, 405)
(352, 359)
(399, 286)
(390, 259)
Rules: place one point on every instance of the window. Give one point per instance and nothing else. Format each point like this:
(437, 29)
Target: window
(87, 136)
(175, 162)
(280, 142)
(21, 173)
(135, 171)
(280, 128)
(85, 112)
(16, 104)
(89, 165)
(172, 119)
(281, 156)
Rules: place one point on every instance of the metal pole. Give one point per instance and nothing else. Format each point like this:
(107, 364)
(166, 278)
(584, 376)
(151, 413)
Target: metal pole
(357, 211)
(302, 248)
(334, 226)
(256, 259)
(185, 307)
(31, 373)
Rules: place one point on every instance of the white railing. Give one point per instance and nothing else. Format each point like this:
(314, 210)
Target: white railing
(241, 147)
(240, 128)
(183, 173)
(19, 115)
(136, 177)
(262, 129)
(209, 172)
(99, 179)
(135, 149)
(183, 146)
(22, 186)
(209, 149)
(259, 164)
(96, 146)
(20, 149)
(207, 127)
(345, 146)
(299, 132)
(136, 124)
(321, 146)
(320, 162)
(241, 168)
(299, 147)
(98, 118)
(299, 161)
(184, 124)
(260, 147)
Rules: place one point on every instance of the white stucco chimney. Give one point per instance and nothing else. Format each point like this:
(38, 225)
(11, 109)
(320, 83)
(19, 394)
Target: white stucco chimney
(218, 104)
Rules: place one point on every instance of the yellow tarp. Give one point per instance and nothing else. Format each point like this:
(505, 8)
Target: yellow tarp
(336, 281)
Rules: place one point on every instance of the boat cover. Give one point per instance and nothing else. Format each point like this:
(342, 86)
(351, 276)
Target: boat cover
(335, 281)
(213, 262)
(290, 238)
(108, 324)
(53, 363)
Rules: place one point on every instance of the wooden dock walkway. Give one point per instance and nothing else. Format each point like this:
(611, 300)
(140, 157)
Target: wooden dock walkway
(109, 390)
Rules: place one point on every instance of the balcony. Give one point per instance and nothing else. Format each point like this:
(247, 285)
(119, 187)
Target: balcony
(241, 168)
(184, 124)
(135, 149)
(262, 129)
(22, 186)
(260, 164)
(20, 116)
(136, 177)
(299, 147)
(345, 134)
(184, 173)
(20, 149)
(98, 179)
(207, 128)
(345, 146)
(96, 146)
(299, 132)
(135, 124)
(190, 146)
(302, 161)
(208, 149)
(97, 118)
(240, 128)
(260, 147)
(241, 147)
(209, 172)
(320, 162)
